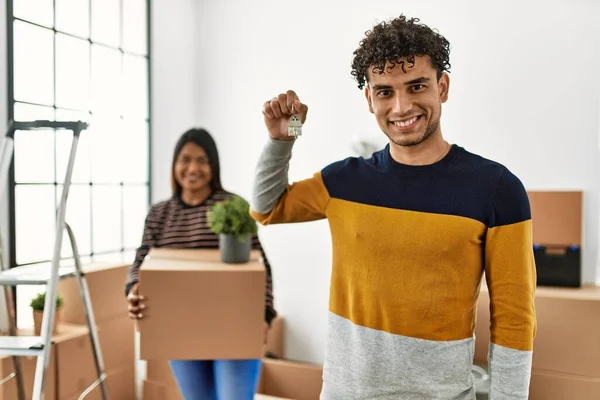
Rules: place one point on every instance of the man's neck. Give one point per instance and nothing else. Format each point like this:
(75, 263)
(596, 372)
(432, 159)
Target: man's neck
(196, 197)
(427, 152)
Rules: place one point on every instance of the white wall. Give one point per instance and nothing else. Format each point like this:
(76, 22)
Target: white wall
(524, 91)
(174, 84)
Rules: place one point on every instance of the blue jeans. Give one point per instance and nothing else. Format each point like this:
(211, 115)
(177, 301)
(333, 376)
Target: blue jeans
(216, 380)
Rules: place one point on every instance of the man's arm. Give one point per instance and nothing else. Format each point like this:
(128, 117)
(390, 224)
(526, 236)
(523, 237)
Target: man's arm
(274, 200)
(511, 279)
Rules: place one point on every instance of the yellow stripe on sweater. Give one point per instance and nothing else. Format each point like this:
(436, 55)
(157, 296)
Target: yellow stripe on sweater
(405, 272)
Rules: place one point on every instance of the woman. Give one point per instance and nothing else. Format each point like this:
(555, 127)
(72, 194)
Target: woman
(180, 222)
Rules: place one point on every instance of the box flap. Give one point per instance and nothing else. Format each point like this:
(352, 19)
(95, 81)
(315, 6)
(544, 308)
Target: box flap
(213, 255)
(192, 260)
(557, 217)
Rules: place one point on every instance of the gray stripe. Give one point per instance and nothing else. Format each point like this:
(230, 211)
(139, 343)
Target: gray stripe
(510, 373)
(271, 174)
(363, 363)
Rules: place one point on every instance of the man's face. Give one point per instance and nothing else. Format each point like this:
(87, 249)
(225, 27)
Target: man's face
(407, 101)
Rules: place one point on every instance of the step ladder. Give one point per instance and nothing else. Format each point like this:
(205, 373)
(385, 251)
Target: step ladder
(41, 346)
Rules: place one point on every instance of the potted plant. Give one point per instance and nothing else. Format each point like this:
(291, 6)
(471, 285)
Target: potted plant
(231, 220)
(37, 304)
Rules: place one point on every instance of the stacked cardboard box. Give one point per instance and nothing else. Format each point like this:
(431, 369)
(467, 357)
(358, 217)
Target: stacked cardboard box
(72, 367)
(75, 367)
(566, 351)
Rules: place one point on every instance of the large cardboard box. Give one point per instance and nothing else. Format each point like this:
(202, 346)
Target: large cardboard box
(76, 368)
(117, 342)
(106, 284)
(567, 339)
(291, 379)
(554, 386)
(200, 308)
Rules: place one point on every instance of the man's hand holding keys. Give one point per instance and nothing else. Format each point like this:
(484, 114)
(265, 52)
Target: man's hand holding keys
(278, 112)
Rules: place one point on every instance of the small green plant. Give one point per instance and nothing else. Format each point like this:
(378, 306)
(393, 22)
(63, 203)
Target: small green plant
(38, 302)
(232, 217)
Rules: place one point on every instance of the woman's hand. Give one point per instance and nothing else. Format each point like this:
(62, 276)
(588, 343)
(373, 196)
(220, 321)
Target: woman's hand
(135, 303)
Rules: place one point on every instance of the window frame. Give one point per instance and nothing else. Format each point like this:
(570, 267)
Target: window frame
(10, 19)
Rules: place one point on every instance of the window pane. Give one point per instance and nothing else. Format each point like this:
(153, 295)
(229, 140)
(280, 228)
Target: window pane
(38, 11)
(72, 16)
(135, 82)
(34, 222)
(28, 112)
(135, 209)
(134, 26)
(34, 156)
(107, 143)
(72, 72)
(116, 257)
(106, 22)
(106, 80)
(82, 168)
(33, 64)
(78, 217)
(69, 115)
(106, 218)
(135, 141)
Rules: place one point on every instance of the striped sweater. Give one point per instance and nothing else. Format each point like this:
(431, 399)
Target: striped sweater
(174, 224)
(411, 245)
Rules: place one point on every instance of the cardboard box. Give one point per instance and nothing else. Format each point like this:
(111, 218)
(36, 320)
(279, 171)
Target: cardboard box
(567, 339)
(274, 347)
(28, 367)
(157, 391)
(106, 284)
(199, 308)
(291, 379)
(556, 217)
(553, 386)
(159, 371)
(117, 342)
(120, 384)
(76, 367)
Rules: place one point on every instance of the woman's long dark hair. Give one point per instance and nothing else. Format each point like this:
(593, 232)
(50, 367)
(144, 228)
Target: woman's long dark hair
(202, 138)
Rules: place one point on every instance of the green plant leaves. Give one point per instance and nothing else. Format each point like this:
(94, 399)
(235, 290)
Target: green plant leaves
(232, 217)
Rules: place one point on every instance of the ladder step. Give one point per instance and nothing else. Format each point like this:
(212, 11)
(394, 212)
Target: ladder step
(21, 345)
(35, 274)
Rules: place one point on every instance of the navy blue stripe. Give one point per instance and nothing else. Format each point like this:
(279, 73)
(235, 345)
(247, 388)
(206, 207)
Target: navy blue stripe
(461, 184)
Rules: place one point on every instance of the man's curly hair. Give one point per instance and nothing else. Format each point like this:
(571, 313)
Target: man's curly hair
(399, 38)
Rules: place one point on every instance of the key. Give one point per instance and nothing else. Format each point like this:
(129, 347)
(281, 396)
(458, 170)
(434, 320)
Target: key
(294, 126)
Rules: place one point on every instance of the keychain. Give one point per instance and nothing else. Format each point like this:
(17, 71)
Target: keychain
(294, 126)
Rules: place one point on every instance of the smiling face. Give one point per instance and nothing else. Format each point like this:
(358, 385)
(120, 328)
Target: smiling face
(407, 102)
(192, 168)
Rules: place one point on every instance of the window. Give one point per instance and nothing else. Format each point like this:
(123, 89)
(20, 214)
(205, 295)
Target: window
(78, 60)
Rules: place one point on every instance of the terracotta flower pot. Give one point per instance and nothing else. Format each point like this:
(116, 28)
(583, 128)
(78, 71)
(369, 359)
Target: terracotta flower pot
(37, 321)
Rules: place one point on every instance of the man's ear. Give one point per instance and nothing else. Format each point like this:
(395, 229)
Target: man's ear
(368, 96)
(444, 85)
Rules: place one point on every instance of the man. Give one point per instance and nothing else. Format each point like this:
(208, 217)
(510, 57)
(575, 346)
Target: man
(413, 228)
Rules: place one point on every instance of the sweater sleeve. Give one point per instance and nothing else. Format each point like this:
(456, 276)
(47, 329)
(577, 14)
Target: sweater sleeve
(275, 200)
(148, 241)
(511, 280)
(270, 312)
